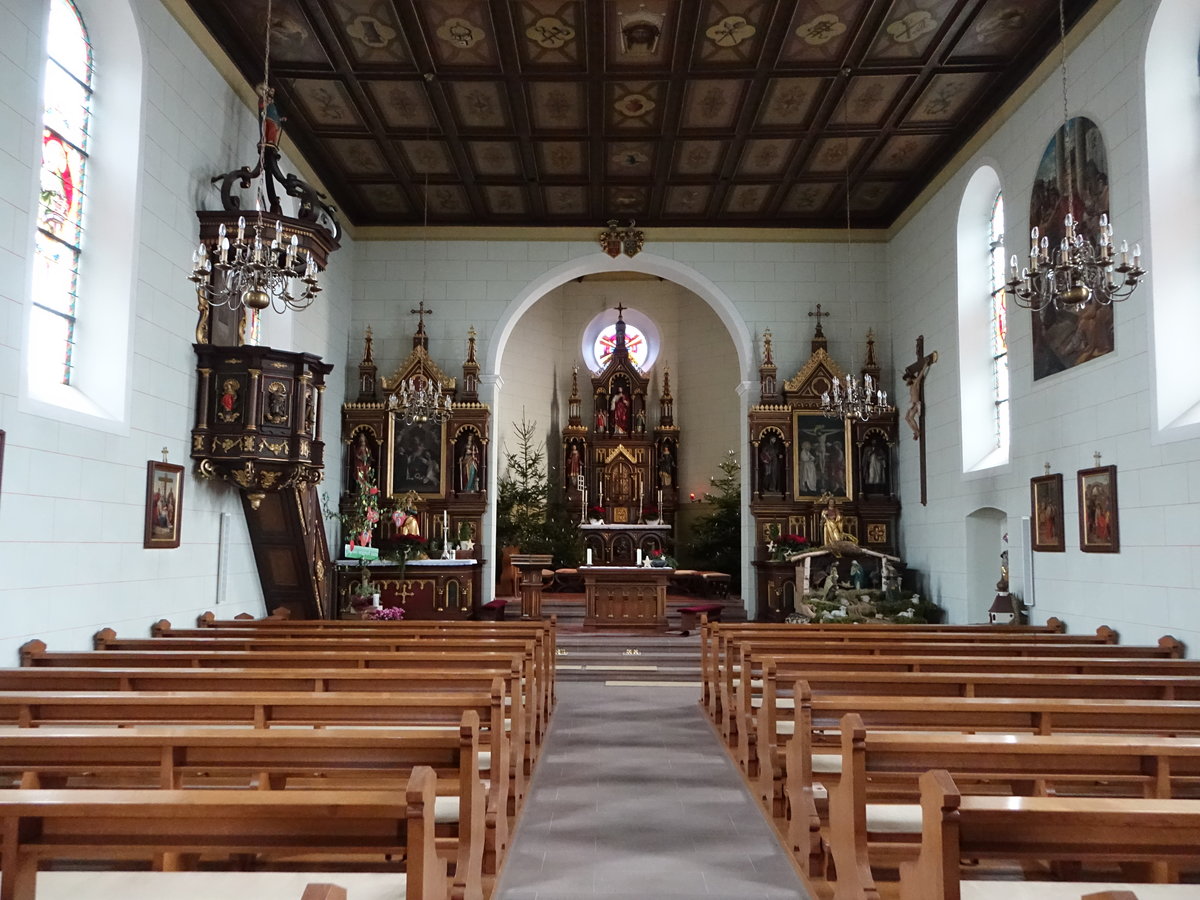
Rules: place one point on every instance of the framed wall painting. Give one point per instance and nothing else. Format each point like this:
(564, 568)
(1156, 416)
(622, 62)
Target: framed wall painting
(417, 460)
(164, 505)
(822, 450)
(1098, 531)
(1046, 502)
(1072, 176)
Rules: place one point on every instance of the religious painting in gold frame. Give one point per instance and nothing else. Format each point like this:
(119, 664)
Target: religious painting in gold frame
(821, 456)
(164, 506)
(417, 460)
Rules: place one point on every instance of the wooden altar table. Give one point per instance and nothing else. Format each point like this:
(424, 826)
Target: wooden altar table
(430, 588)
(626, 596)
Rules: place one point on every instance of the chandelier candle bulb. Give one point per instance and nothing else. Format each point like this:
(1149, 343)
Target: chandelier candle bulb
(241, 227)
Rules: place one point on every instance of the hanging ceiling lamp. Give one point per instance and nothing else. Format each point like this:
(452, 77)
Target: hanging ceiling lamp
(848, 398)
(265, 263)
(1076, 272)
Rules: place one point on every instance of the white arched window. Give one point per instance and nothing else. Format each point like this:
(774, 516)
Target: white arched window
(998, 303)
(982, 323)
(66, 127)
(76, 363)
(1173, 173)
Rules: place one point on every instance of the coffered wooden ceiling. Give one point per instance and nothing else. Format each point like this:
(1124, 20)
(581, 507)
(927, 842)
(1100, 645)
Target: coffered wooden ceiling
(671, 112)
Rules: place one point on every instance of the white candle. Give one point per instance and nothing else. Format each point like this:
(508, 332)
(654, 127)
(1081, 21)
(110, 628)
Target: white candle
(589, 556)
(600, 502)
(639, 556)
(660, 499)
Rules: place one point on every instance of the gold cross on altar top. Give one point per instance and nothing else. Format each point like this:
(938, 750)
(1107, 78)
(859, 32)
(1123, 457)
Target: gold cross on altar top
(422, 312)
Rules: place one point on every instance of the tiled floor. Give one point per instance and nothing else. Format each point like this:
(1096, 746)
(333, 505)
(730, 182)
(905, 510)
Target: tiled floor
(634, 797)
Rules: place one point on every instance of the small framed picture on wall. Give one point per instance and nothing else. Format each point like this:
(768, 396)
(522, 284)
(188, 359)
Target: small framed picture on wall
(1046, 508)
(164, 505)
(1098, 531)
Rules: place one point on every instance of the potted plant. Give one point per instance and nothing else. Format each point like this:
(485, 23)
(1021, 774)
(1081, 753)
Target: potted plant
(360, 517)
(596, 515)
(465, 548)
(788, 545)
(660, 560)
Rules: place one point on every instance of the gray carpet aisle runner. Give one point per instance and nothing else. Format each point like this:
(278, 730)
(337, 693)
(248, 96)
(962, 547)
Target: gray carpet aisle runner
(634, 796)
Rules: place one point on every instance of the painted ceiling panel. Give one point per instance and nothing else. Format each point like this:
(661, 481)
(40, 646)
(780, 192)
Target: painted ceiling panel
(579, 111)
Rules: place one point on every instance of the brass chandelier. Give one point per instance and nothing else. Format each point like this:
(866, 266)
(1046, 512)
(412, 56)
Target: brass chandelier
(1076, 272)
(421, 399)
(264, 264)
(854, 400)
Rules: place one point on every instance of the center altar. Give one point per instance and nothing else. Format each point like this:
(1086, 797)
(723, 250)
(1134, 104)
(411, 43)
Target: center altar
(620, 471)
(426, 475)
(625, 596)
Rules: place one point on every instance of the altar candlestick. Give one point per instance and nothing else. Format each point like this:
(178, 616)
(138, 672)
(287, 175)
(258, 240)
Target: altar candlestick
(600, 502)
(639, 556)
(660, 499)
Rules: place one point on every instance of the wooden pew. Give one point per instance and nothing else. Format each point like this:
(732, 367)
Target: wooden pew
(723, 649)
(806, 748)
(766, 702)
(117, 825)
(545, 631)
(955, 827)
(264, 710)
(871, 645)
(712, 639)
(34, 654)
(174, 759)
(878, 788)
(536, 667)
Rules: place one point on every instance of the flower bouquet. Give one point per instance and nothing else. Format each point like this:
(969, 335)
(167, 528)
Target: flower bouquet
(651, 514)
(788, 545)
(596, 514)
(660, 560)
(387, 613)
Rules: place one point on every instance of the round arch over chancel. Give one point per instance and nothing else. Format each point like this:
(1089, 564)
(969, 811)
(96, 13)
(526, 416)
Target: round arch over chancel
(505, 378)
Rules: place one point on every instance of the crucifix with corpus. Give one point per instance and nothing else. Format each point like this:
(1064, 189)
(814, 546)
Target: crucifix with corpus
(914, 377)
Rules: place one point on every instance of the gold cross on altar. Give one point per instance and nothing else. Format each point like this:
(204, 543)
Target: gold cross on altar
(819, 315)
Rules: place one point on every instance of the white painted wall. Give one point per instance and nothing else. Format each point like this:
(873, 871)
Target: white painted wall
(1150, 587)
(71, 508)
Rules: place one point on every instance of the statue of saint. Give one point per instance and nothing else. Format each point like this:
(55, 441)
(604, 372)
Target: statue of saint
(831, 518)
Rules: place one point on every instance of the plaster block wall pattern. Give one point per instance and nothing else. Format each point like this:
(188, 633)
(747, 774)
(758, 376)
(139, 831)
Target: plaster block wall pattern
(71, 513)
(1150, 587)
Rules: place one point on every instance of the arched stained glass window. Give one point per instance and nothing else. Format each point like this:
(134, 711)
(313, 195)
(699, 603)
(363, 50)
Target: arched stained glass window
(66, 119)
(999, 317)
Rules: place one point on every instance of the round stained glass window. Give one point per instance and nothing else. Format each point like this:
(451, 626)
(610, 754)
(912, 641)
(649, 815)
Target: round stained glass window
(600, 339)
(635, 342)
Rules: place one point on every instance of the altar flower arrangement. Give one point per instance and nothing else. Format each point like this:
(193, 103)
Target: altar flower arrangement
(651, 513)
(408, 546)
(596, 513)
(387, 613)
(659, 560)
(359, 512)
(788, 544)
